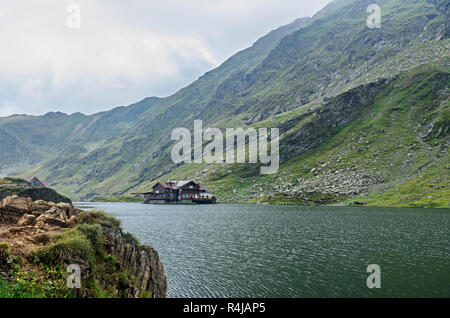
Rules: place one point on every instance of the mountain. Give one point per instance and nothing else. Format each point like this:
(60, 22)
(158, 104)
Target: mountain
(363, 113)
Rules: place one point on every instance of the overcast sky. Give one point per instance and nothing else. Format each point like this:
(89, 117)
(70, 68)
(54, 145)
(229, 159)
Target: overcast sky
(124, 50)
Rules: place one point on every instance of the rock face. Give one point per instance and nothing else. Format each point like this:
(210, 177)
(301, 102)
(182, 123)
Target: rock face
(27, 226)
(337, 112)
(141, 261)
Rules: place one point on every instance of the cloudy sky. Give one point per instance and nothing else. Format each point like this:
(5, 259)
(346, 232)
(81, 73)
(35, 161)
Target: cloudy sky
(123, 51)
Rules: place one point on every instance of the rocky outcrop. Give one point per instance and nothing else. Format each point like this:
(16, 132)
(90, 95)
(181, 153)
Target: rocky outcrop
(27, 226)
(141, 261)
(35, 193)
(336, 113)
(15, 209)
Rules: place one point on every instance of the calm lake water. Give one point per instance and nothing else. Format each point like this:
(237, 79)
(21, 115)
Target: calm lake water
(293, 251)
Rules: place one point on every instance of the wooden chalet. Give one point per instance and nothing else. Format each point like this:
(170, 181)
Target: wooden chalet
(177, 191)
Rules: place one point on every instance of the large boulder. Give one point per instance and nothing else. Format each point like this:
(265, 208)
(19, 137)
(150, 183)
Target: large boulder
(26, 219)
(17, 203)
(53, 217)
(72, 221)
(41, 206)
(12, 208)
(66, 207)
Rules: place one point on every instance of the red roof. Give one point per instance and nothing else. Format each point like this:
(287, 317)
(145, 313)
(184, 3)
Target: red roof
(44, 183)
(165, 185)
(176, 184)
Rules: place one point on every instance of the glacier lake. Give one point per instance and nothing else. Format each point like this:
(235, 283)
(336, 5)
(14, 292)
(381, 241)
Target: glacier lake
(292, 251)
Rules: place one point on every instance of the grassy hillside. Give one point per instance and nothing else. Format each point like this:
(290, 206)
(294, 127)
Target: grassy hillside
(389, 155)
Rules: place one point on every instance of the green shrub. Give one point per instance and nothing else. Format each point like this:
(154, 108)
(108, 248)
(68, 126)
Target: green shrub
(4, 248)
(130, 239)
(93, 233)
(50, 284)
(68, 245)
(144, 294)
(97, 217)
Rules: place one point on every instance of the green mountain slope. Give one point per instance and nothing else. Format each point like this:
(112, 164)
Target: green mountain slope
(343, 95)
(71, 149)
(373, 143)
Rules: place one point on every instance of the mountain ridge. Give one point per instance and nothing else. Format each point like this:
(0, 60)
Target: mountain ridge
(292, 71)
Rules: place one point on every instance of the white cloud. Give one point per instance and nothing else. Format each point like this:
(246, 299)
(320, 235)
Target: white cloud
(124, 50)
(6, 110)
